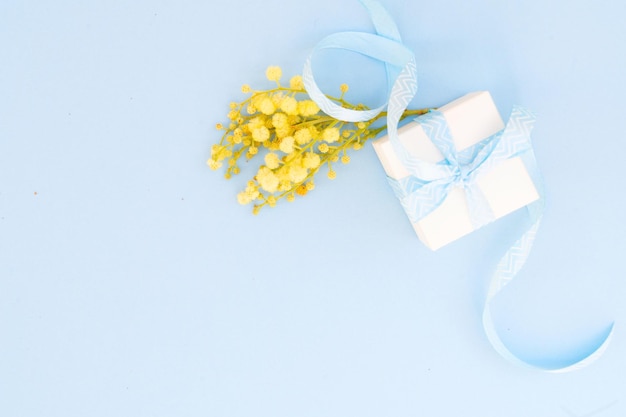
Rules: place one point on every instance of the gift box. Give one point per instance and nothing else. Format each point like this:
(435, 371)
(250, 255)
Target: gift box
(506, 187)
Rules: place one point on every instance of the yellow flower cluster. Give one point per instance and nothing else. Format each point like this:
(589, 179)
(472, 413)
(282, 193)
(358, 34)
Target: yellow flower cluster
(294, 137)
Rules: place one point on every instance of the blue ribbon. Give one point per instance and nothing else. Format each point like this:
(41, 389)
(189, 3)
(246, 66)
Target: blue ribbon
(428, 184)
(419, 198)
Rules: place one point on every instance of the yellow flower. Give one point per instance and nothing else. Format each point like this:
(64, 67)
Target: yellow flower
(308, 108)
(331, 134)
(243, 198)
(261, 134)
(267, 179)
(273, 73)
(271, 200)
(291, 197)
(296, 82)
(357, 146)
(297, 173)
(343, 88)
(323, 148)
(213, 164)
(310, 186)
(279, 120)
(301, 190)
(286, 144)
(245, 88)
(283, 131)
(332, 174)
(289, 105)
(267, 106)
(252, 193)
(311, 160)
(302, 136)
(271, 160)
(345, 159)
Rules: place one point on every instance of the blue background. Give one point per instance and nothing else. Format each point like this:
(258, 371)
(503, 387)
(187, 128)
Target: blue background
(133, 284)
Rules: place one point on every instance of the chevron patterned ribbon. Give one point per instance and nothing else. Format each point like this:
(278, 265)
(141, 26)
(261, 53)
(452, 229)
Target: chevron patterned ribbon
(419, 198)
(428, 185)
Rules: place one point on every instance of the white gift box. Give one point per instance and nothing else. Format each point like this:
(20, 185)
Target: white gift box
(507, 187)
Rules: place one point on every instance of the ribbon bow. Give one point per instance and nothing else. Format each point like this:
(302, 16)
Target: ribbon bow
(429, 183)
(420, 197)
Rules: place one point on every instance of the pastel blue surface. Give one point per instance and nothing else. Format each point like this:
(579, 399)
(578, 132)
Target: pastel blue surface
(133, 284)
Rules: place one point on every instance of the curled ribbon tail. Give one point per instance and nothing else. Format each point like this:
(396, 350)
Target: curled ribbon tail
(507, 268)
(515, 141)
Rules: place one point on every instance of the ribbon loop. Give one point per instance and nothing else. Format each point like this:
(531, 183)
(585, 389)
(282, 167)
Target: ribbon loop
(385, 46)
